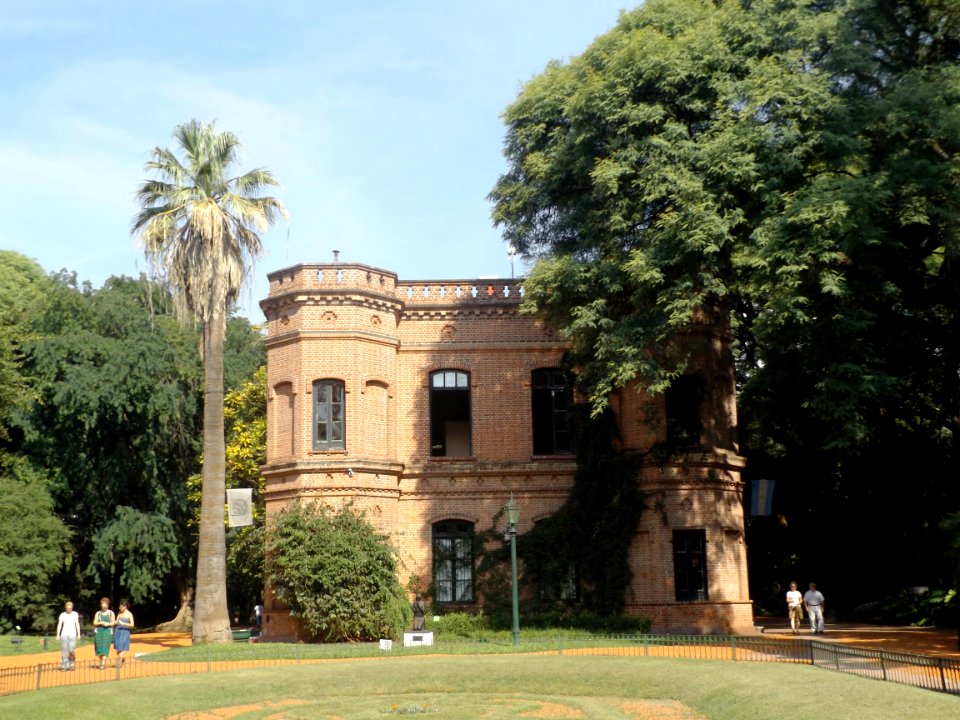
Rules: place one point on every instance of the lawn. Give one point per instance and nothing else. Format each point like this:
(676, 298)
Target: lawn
(31, 644)
(495, 687)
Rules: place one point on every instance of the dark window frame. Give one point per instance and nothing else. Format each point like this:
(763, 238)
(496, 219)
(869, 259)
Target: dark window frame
(551, 398)
(452, 546)
(690, 576)
(450, 400)
(683, 403)
(335, 404)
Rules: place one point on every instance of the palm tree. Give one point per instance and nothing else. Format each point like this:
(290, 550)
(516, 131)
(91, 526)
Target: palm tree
(199, 227)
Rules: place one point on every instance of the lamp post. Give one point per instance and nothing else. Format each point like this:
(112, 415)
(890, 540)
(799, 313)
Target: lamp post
(513, 515)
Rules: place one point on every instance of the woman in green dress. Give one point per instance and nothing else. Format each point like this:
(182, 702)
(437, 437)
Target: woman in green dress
(103, 622)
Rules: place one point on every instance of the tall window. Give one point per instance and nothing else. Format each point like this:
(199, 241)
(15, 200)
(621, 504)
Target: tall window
(560, 582)
(450, 413)
(690, 564)
(683, 399)
(551, 404)
(453, 561)
(328, 415)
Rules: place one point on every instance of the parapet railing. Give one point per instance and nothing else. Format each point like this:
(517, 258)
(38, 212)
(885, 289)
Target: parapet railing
(923, 671)
(417, 292)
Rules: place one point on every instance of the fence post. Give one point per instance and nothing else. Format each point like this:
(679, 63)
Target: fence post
(733, 646)
(943, 677)
(883, 664)
(39, 673)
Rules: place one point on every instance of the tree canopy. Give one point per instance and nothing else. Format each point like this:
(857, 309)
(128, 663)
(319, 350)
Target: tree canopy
(106, 427)
(795, 165)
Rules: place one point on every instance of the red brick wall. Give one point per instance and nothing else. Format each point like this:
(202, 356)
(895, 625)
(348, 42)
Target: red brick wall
(383, 338)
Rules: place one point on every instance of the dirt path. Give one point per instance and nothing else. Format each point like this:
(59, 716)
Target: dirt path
(139, 643)
(914, 640)
(29, 670)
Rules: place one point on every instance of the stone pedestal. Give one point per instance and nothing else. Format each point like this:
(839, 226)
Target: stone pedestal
(416, 638)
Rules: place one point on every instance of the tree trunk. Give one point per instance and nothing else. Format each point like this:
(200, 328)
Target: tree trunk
(184, 619)
(211, 620)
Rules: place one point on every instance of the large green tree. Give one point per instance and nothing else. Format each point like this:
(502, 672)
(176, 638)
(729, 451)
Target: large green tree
(199, 225)
(114, 423)
(112, 417)
(34, 541)
(794, 166)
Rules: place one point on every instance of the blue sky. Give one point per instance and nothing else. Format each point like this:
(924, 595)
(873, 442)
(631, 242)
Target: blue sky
(381, 119)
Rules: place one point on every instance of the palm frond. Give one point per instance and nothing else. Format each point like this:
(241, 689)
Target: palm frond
(198, 224)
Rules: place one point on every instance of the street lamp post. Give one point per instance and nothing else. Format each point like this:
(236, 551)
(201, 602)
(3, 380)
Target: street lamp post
(513, 516)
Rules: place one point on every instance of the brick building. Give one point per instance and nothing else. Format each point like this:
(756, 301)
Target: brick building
(427, 403)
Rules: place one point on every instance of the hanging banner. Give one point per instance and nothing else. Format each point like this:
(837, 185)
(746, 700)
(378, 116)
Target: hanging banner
(240, 507)
(761, 499)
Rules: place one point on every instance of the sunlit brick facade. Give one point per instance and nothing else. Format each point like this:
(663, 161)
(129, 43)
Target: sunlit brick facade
(418, 401)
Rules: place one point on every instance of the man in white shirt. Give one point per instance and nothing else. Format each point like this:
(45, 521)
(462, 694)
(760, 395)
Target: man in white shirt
(68, 630)
(794, 609)
(813, 602)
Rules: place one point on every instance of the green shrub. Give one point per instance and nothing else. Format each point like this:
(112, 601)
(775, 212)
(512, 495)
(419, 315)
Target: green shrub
(336, 574)
(907, 607)
(459, 624)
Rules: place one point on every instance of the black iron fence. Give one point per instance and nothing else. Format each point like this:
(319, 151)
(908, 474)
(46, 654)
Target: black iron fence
(924, 671)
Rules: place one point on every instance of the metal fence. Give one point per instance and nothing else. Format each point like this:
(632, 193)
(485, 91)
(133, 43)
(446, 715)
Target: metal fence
(924, 671)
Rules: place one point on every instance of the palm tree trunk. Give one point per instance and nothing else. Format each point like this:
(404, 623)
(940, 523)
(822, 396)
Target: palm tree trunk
(211, 620)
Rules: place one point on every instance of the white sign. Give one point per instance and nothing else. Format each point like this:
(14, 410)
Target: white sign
(240, 506)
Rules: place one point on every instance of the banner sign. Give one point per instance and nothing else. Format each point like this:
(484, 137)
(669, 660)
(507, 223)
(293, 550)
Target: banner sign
(761, 499)
(240, 506)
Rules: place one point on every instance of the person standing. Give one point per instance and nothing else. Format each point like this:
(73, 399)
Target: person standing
(68, 630)
(794, 607)
(258, 615)
(813, 603)
(103, 622)
(121, 632)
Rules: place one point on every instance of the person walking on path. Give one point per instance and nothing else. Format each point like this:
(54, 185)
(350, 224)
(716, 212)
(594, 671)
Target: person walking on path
(813, 603)
(794, 607)
(121, 632)
(68, 630)
(103, 622)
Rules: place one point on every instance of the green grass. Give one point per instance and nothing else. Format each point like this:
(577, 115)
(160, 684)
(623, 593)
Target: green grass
(32, 644)
(495, 687)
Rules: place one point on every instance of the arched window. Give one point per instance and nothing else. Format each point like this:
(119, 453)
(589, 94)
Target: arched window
(551, 400)
(453, 561)
(450, 413)
(683, 400)
(328, 415)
